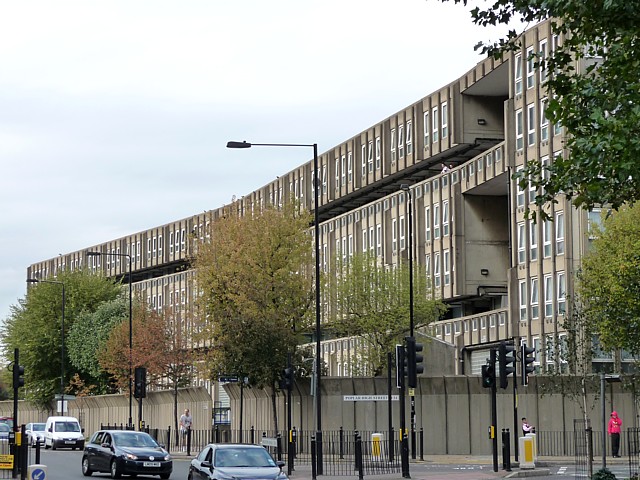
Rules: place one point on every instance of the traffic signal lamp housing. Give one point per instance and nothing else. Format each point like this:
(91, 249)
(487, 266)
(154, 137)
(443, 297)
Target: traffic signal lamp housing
(18, 376)
(140, 384)
(286, 383)
(527, 358)
(506, 362)
(488, 376)
(414, 361)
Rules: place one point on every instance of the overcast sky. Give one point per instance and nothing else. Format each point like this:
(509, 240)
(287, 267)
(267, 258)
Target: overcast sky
(114, 115)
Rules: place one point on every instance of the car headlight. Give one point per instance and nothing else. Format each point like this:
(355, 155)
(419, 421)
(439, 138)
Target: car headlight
(130, 456)
(167, 457)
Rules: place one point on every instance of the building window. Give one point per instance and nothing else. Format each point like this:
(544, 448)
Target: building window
(364, 240)
(170, 243)
(434, 124)
(371, 239)
(426, 129)
(542, 53)
(521, 244)
(533, 241)
(548, 296)
(363, 160)
(350, 166)
(445, 120)
(531, 124)
(337, 173)
(436, 221)
(409, 139)
(445, 218)
(546, 238)
(393, 145)
(517, 74)
(523, 299)
(544, 121)
(447, 267)
(379, 240)
(324, 179)
(378, 153)
(402, 233)
(560, 233)
(535, 309)
(519, 130)
(427, 224)
(343, 170)
(401, 141)
(530, 69)
(436, 269)
(562, 293)
(519, 190)
(394, 236)
(370, 157)
(427, 265)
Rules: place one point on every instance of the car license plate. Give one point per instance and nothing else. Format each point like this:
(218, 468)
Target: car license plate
(70, 442)
(151, 464)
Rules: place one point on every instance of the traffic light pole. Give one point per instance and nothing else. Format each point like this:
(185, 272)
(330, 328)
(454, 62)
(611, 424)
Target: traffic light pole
(494, 413)
(515, 414)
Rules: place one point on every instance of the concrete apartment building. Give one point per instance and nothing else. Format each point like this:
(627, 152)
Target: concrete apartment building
(502, 275)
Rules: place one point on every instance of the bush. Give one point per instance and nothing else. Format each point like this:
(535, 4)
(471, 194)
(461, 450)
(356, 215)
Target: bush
(603, 474)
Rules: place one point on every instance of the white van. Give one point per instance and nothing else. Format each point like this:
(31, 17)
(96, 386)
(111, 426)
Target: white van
(63, 432)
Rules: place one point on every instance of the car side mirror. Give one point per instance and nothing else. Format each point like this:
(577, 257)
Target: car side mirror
(51, 429)
(280, 463)
(208, 465)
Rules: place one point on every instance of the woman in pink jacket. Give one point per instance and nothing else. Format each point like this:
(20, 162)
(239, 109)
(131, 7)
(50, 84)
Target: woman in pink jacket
(615, 424)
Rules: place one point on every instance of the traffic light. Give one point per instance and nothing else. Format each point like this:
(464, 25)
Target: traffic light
(18, 376)
(286, 383)
(140, 384)
(527, 359)
(488, 376)
(506, 360)
(414, 361)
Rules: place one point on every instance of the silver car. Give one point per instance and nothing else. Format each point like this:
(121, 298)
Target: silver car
(34, 433)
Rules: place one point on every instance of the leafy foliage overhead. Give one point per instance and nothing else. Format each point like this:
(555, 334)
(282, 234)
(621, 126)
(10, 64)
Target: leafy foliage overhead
(255, 277)
(372, 301)
(35, 327)
(609, 282)
(598, 104)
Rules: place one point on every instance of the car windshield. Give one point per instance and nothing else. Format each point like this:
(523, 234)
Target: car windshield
(67, 427)
(134, 440)
(243, 457)
(4, 427)
(37, 427)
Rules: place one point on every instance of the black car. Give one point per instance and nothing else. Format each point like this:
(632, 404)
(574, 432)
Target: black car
(125, 452)
(235, 461)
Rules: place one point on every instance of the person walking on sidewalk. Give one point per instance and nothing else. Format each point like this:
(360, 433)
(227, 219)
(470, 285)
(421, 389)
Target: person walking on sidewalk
(615, 424)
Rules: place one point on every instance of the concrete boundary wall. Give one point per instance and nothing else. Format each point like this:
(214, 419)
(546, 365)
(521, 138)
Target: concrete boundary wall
(157, 409)
(454, 411)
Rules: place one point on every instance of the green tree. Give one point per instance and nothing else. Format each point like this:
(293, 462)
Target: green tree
(87, 338)
(255, 278)
(599, 106)
(609, 282)
(35, 327)
(371, 301)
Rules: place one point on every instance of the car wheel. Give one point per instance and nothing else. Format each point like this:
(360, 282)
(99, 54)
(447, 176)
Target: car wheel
(115, 472)
(53, 445)
(86, 471)
(46, 445)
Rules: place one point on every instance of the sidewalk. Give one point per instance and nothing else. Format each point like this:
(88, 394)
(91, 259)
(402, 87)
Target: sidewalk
(480, 468)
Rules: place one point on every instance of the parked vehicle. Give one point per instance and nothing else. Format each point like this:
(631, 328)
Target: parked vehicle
(63, 432)
(7, 420)
(4, 432)
(125, 452)
(34, 433)
(225, 461)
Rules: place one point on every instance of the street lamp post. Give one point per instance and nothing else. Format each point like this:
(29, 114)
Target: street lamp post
(98, 254)
(316, 225)
(37, 280)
